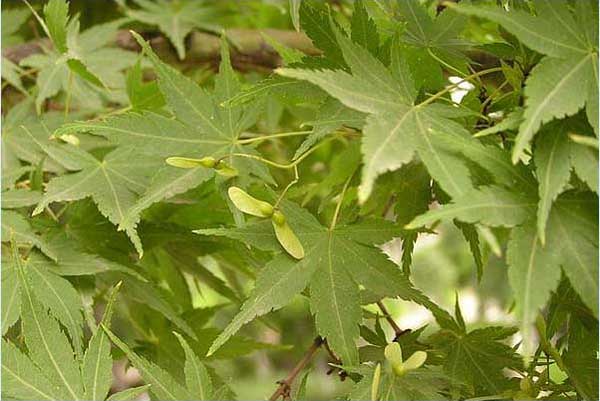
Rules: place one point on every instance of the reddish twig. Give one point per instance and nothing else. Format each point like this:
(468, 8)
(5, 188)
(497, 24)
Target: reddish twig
(397, 330)
(337, 361)
(286, 384)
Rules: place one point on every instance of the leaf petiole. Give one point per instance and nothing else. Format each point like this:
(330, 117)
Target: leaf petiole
(450, 87)
(339, 204)
(244, 141)
(288, 186)
(275, 164)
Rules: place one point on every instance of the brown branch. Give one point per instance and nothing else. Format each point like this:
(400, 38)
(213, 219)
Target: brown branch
(397, 330)
(249, 49)
(286, 384)
(341, 373)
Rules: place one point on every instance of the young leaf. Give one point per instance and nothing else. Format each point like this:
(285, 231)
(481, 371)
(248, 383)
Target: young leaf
(376, 382)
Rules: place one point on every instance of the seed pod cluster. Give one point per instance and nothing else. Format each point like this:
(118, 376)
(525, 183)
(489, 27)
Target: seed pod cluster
(393, 354)
(255, 207)
(219, 166)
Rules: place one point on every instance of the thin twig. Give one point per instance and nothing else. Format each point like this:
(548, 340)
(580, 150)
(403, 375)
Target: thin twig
(332, 355)
(397, 330)
(337, 361)
(286, 384)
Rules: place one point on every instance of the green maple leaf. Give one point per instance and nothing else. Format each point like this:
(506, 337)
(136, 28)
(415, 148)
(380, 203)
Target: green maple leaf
(317, 26)
(12, 74)
(396, 129)
(176, 18)
(584, 160)
(197, 379)
(49, 284)
(426, 41)
(96, 365)
(165, 386)
(47, 345)
(142, 95)
(421, 384)
(12, 20)
(21, 378)
(57, 294)
(25, 135)
(566, 79)
(553, 168)
(132, 393)
(19, 197)
(580, 357)
(571, 246)
(114, 183)
(364, 29)
(490, 205)
(331, 115)
(555, 156)
(202, 128)
(478, 357)
(16, 227)
(84, 55)
(336, 260)
(63, 377)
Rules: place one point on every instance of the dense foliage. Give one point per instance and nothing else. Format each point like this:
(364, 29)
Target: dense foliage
(135, 182)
